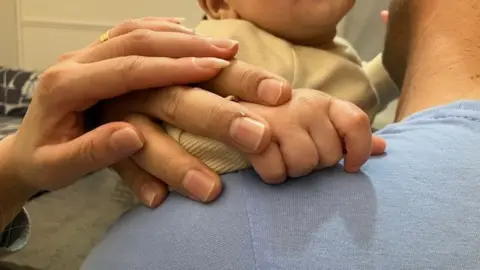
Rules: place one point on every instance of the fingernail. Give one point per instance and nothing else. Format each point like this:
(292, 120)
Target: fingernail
(199, 184)
(200, 34)
(222, 43)
(270, 90)
(126, 141)
(186, 29)
(210, 62)
(150, 193)
(247, 132)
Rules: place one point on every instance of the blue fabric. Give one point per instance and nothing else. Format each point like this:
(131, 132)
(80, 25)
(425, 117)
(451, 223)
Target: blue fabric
(417, 207)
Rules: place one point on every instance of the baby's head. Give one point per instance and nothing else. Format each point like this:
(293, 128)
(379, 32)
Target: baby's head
(304, 22)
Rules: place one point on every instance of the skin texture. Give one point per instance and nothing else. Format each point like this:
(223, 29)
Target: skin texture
(52, 149)
(418, 37)
(305, 22)
(302, 147)
(146, 171)
(314, 131)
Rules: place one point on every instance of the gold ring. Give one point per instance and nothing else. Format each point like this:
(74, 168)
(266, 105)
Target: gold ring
(105, 36)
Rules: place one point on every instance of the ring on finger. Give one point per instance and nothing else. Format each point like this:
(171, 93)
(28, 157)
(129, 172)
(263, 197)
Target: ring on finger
(105, 36)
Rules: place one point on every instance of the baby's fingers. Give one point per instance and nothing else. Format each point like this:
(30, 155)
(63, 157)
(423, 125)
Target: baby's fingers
(269, 165)
(384, 15)
(378, 145)
(353, 127)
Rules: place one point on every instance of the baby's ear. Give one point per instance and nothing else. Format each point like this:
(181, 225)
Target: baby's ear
(217, 9)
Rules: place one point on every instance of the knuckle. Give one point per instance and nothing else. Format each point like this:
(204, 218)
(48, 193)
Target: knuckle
(218, 114)
(309, 102)
(129, 65)
(302, 167)
(314, 101)
(140, 35)
(65, 56)
(164, 171)
(331, 159)
(250, 80)
(128, 26)
(51, 81)
(87, 153)
(172, 97)
(359, 119)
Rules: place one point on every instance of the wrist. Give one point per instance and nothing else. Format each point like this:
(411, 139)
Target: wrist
(14, 193)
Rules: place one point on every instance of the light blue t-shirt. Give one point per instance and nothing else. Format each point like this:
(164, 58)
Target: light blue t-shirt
(416, 207)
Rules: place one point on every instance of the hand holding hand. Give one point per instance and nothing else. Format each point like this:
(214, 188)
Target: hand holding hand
(163, 163)
(52, 149)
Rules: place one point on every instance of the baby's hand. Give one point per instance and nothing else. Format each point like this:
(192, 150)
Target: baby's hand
(384, 16)
(313, 131)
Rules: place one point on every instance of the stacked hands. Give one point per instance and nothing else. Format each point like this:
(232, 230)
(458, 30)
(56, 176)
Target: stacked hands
(282, 132)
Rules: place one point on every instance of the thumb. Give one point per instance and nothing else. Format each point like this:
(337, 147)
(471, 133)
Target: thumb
(97, 149)
(378, 145)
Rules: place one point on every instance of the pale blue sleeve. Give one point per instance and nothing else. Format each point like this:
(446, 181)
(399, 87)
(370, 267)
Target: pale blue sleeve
(417, 207)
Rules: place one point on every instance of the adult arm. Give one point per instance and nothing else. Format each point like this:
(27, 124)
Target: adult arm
(14, 221)
(52, 149)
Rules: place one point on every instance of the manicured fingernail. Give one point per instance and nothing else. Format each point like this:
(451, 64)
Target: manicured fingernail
(199, 34)
(199, 184)
(186, 29)
(150, 194)
(247, 132)
(210, 62)
(126, 141)
(270, 90)
(222, 43)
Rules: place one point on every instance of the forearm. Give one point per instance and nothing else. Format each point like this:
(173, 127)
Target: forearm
(13, 194)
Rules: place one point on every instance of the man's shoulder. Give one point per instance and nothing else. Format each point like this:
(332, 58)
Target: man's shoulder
(398, 212)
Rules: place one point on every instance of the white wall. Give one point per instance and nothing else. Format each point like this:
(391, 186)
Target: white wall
(8, 34)
(47, 28)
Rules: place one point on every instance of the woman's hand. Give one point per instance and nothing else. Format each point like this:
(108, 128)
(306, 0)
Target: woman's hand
(162, 163)
(51, 149)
